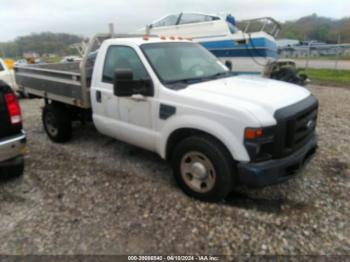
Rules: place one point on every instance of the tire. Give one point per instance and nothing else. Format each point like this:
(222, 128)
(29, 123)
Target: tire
(57, 123)
(211, 183)
(12, 169)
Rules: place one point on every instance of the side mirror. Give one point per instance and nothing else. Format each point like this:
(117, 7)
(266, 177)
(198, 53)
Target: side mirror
(228, 64)
(125, 85)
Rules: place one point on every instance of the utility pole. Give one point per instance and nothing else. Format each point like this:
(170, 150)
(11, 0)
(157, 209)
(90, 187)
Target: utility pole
(111, 29)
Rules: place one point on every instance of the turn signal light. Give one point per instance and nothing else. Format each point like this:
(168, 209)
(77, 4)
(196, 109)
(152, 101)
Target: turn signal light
(252, 133)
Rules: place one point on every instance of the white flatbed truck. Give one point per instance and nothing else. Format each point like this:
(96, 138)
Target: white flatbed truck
(173, 97)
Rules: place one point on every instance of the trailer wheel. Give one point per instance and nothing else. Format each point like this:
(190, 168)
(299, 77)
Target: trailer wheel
(57, 123)
(203, 168)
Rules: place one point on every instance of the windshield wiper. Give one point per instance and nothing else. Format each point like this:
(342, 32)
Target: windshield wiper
(199, 79)
(217, 75)
(185, 81)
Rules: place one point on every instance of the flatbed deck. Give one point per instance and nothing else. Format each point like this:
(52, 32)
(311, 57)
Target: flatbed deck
(59, 82)
(68, 83)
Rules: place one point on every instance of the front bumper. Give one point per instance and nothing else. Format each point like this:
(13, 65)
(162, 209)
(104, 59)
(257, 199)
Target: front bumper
(12, 147)
(277, 170)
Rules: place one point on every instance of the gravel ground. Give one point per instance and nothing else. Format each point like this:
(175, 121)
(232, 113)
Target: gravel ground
(96, 195)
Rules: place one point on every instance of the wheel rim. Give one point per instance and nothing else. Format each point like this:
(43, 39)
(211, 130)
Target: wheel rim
(198, 172)
(50, 124)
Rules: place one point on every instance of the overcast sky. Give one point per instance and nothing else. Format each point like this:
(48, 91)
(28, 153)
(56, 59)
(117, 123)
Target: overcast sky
(86, 17)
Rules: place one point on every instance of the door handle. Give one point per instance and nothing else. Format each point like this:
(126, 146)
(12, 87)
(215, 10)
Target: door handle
(138, 97)
(98, 96)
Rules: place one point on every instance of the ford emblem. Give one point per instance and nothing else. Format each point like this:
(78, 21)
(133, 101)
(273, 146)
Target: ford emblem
(310, 124)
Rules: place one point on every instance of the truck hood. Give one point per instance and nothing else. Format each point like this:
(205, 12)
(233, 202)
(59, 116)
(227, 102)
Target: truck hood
(255, 92)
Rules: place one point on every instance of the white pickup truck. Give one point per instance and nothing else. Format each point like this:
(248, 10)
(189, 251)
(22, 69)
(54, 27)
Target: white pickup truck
(173, 97)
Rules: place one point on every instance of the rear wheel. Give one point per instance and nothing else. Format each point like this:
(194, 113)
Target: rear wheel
(57, 122)
(203, 168)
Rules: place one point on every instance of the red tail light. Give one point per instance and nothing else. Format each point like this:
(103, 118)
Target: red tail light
(13, 108)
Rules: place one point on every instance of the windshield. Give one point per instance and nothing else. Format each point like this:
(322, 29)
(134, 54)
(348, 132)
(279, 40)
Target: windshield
(181, 62)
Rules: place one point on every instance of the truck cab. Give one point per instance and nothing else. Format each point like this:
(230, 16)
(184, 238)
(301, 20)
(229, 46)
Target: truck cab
(173, 97)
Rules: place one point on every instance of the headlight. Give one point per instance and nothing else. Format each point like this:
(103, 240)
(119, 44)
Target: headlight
(253, 133)
(259, 143)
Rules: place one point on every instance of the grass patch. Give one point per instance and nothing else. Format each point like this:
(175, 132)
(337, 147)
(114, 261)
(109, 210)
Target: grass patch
(329, 77)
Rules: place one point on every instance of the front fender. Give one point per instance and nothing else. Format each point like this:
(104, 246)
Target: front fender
(206, 125)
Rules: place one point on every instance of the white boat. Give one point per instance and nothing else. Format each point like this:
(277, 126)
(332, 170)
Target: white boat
(249, 52)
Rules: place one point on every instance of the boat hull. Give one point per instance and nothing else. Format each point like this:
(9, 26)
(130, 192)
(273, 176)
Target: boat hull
(249, 54)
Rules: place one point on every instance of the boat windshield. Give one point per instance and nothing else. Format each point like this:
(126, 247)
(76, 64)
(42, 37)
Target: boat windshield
(184, 18)
(183, 62)
(188, 18)
(167, 21)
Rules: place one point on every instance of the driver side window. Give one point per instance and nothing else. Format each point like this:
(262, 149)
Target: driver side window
(123, 57)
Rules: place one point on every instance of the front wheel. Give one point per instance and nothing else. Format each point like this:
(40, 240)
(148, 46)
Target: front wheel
(203, 168)
(57, 123)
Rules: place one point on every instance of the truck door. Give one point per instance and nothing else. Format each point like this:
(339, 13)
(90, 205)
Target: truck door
(126, 118)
